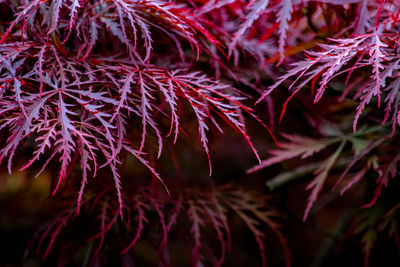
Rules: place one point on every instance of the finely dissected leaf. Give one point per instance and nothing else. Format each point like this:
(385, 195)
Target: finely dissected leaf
(197, 221)
(218, 221)
(257, 8)
(54, 229)
(355, 179)
(284, 17)
(43, 141)
(55, 14)
(87, 151)
(318, 182)
(108, 218)
(297, 146)
(74, 8)
(141, 220)
(65, 144)
(386, 171)
(376, 55)
(356, 159)
(92, 41)
(362, 22)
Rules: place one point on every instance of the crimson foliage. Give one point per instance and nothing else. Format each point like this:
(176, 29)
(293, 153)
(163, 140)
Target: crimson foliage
(88, 87)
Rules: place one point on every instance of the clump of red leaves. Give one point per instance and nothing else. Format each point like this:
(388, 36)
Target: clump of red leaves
(65, 86)
(84, 82)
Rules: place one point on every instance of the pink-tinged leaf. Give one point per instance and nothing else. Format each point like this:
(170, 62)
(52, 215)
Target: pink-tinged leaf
(358, 157)
(121, 21)
(284, 16)
(368, 93)
(121, 132)
(54, 230)
(318, 182)
(117, 182)
(124, 91)
(108, 217)
(298, 146)
(376, 58)
(362, 20)
(257, 9)
(355, 179)
(300, 67)
(146, 34)
(158, 206)
(392, 99)
(204, 95)
(172, 220)
(65, 144)
(40, 66)
(85, 168)
(17, 90)
(343, 55)
(141, 219)
(114, 28)
(221, 213)
(43, 141)
(386, 171)
(217, 221)
(195, 216)
(146, 111)
(170, 96)
(198, 108)
(93, 39)
(366, 225)
(56, 6)
(20, 128)
(74, 7)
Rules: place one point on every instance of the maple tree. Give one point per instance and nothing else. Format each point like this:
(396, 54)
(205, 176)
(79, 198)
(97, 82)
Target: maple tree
(99, 97)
